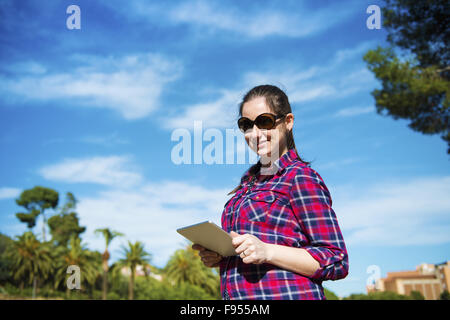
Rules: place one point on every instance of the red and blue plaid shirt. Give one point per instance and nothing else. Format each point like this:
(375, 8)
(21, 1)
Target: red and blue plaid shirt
(292, 208)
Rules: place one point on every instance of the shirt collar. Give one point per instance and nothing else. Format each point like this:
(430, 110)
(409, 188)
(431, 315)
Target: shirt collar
(278, 165)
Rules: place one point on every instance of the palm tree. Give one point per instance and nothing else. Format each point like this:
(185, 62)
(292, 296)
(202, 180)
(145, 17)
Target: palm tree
(31, 259)
(77, 254)
(109, 236)
(134, 256)
(185, 266)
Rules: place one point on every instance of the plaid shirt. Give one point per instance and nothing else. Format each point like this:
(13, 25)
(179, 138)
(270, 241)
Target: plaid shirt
(292, 208)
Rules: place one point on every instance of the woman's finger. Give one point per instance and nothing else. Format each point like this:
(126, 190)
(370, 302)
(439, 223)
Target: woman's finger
(239, 239)
(211, 261)
(249, 259)
(211, 258)
(208, 253)
(247, 243)
(198, 247)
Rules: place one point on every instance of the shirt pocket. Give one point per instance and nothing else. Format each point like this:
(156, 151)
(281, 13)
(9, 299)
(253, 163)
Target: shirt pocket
(268, 207)
(261, 204)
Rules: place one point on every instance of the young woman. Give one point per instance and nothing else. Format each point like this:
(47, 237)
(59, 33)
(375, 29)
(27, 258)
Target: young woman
(286, 234)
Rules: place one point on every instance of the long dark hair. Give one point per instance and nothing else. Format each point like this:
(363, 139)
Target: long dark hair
(278, 103)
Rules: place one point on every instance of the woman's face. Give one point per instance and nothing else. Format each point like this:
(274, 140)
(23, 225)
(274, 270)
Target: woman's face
(268, 144)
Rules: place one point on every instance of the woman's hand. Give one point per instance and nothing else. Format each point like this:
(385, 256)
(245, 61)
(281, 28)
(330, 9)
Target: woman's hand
(209, 258)
(250, 248)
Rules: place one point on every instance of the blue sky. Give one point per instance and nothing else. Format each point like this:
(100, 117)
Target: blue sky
(92, 111)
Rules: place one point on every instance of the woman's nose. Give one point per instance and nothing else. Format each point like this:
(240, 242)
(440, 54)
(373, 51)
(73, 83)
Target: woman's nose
(258, 134)
(256, 131)
(254, 134)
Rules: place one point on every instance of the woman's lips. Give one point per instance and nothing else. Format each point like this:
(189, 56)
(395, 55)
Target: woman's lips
(262, 144)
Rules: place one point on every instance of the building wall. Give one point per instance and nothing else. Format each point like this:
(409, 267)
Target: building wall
(444, 276)
(429, 288)
(430, 280)
(390, 286)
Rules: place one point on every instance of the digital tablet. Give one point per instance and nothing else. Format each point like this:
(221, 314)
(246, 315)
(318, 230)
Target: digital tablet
(210, 236)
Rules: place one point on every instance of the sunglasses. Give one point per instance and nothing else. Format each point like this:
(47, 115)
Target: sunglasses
(263, 121)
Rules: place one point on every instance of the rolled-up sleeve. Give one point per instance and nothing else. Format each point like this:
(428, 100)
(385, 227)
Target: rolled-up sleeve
(311, 204)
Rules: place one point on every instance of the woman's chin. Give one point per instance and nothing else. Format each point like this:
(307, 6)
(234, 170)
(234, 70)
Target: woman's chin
(263, 152)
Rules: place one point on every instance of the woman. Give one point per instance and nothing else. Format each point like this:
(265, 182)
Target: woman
(285, 232)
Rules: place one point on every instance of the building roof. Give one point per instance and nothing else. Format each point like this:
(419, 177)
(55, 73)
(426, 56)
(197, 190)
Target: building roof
(408, 275)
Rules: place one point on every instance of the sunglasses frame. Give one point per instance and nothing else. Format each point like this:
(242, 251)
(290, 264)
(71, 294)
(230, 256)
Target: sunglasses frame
(274, 117)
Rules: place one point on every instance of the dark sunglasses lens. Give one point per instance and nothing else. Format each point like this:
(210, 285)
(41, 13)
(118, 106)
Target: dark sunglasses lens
(245, 124)
(265, 122)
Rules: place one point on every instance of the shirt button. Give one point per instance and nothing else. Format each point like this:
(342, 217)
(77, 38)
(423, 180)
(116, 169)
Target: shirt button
(257, 197)
(342, 254)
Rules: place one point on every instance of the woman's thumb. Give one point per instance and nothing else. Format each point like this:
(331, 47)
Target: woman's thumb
(234, 234)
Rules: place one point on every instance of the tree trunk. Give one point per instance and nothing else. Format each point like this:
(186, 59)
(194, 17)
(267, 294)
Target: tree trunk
(43, 226)
(37, 285)
(131, 285)
(33, 294)
(105, 257)
(105, 285)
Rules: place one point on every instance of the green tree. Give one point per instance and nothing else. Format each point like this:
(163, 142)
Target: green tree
(6, 245)
(76, 254)
(108, 235)
(65, 225)
(380, 295)
(445, 295)
(185, 266)
(330, 295)
(133, 256)
(415, 86)
(31, 259)
(416, 295)
(36, 201)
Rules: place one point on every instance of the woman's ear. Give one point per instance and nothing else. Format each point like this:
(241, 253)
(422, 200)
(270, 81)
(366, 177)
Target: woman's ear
(289, 121)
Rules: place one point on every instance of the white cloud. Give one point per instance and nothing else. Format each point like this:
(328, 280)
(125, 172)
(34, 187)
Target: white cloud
(212, 113)
(8, 193)
(131, 85)
(312, 93)
(317, 83)
(338, 163)
(115, 171)
(350, 112)
(393, 213)
(334, 80)
(356, 52)
(255, 22)
(300, 85)
(105, 140)
(26, 67)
